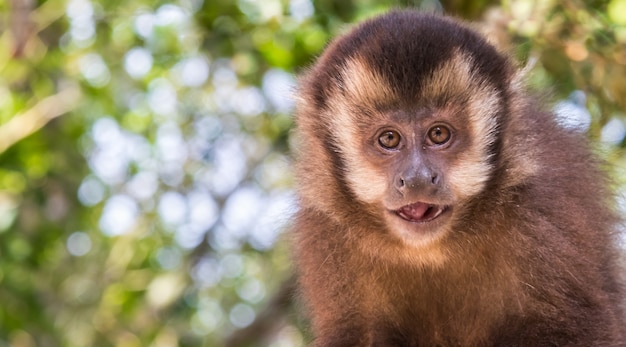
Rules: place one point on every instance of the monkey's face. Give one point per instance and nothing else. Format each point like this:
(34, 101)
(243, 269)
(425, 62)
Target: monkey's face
(417, 159)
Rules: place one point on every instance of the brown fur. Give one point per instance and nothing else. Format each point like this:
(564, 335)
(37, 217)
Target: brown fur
(526, 256)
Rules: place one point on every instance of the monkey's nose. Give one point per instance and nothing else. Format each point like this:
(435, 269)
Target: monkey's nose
(416, 179)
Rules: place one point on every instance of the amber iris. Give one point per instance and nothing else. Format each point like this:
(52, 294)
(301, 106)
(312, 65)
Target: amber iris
(439, 134)
(389, 139)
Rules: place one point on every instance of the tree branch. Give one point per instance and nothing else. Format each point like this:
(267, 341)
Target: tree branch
(27, 123)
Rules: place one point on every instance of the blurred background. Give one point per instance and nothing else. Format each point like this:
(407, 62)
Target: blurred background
(145, 184)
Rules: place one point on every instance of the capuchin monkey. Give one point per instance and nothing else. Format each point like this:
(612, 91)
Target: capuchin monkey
(439, 206)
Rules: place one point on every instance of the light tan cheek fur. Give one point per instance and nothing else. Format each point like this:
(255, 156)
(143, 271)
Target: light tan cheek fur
(362, 87)
(365, 180)
(469, 175)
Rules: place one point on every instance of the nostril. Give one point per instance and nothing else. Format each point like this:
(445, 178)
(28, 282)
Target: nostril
(435, 179)
(401, 183)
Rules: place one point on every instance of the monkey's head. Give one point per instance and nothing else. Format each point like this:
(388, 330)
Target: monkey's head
(401, 120)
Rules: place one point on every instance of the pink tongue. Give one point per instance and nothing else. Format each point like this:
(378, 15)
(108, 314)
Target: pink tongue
(415, 211)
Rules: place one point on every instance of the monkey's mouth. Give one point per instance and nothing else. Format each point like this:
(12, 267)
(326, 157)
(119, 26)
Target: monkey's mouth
(420, 212)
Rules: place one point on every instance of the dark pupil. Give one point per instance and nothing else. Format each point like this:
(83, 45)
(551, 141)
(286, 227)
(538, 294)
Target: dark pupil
(438, 135)
(389, 139)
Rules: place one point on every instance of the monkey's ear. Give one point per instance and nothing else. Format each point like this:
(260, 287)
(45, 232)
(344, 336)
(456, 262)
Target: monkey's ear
(521, 163)
(520, 77)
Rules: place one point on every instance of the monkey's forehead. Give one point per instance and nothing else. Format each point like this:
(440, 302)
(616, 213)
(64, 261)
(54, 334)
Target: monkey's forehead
(405, 47)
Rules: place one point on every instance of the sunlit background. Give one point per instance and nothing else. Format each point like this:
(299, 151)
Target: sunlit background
(145, 182)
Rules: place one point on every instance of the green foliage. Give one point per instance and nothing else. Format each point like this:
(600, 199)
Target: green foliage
(144, 154)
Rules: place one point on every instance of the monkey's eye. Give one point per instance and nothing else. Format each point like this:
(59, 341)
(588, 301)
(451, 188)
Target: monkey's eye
(439, 134)
(389, 139)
